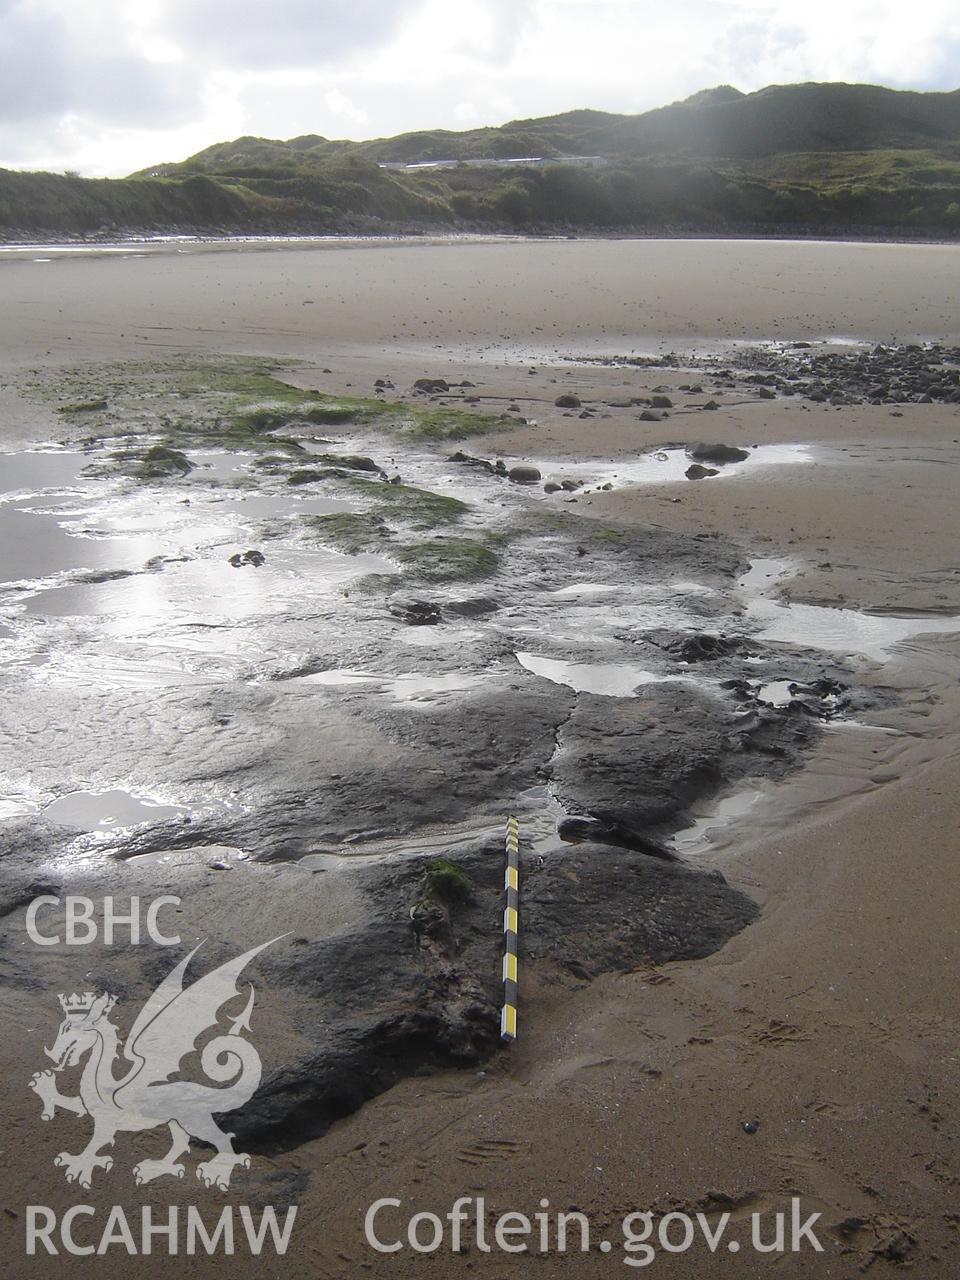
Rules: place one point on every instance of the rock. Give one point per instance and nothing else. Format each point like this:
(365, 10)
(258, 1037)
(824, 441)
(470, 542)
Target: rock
(431, 386)
(649, 415)
(711, 404)
(704, 647)
(661, 402)
(766, 393)
(552, 487)
(399, 994)
(638, 764)
(717, 453)
(696, 472)
(416, 613)
(473, 607)
(238, 559)
(578, 830)
(571, 486)
(468, 460)
(524, 474)
(160, 461)
(567, 402)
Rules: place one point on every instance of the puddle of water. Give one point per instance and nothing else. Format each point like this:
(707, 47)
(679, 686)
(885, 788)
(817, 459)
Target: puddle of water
(842, 630)
(327, 862)
(402, 688)
(430, 637)
(106, 810)
(37, 545)
(668, 466)
(777, 692)
(35, 471)
(612, 679)
(207, 853)
(38, 517)
(698, 836)
(830, 629)
(580, 590)
(291, 579)
(136, 671)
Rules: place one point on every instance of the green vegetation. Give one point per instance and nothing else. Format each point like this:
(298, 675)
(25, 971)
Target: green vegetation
(351, 532)
(160, 462)
(84, 406)
(447, 882)
(789, 157)
(447, 559)
(236, 402)
(421, 508)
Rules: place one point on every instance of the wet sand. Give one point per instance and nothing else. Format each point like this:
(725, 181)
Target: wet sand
(831, 1022)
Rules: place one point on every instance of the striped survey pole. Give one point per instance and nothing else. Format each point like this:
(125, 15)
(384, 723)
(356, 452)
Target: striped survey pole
(511, 919)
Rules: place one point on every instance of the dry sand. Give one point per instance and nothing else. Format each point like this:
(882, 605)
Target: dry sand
(832, 1022)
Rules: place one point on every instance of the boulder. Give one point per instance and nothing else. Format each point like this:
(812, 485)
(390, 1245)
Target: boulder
(524, 474)
(567, 402)
(416, 613)
(717, 453)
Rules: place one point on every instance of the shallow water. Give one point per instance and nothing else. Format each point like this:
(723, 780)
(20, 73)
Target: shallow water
(291, 579)
(833, 630)
(614, 680)
(724, 812)
(202, 638)
(98, 811)
(401, 688)
(669, 466)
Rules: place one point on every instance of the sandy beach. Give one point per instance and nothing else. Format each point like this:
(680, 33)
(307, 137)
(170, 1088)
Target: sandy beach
(814, 1054)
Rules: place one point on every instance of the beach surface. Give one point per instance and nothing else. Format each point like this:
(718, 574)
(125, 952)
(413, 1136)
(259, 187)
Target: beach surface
(812, 1056)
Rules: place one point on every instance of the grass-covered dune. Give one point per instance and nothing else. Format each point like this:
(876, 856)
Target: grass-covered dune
(794, 158)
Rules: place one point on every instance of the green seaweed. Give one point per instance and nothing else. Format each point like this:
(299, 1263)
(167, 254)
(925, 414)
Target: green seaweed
(421, 508)
(350, 531)
(83, 406)
(447, 882)
(446, 559)
(235, 402)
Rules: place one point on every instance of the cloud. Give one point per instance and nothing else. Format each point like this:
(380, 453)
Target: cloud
(52, 67)
(252, 35)
(108, 86)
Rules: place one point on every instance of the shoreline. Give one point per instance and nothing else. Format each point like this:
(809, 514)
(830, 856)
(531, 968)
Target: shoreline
(173, 238)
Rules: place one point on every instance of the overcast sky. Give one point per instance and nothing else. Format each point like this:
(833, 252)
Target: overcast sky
(108, 86)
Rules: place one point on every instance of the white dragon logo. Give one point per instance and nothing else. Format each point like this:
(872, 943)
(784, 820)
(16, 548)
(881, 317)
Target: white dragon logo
(166, 1030)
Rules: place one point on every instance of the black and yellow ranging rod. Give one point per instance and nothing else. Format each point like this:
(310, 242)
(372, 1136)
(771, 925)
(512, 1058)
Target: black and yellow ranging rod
(511, 919)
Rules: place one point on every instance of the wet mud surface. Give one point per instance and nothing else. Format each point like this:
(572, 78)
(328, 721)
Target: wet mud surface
(278, 652)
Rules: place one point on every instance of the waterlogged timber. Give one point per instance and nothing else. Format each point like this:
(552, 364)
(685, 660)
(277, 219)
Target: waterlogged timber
(258, 581)
(336, 688)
